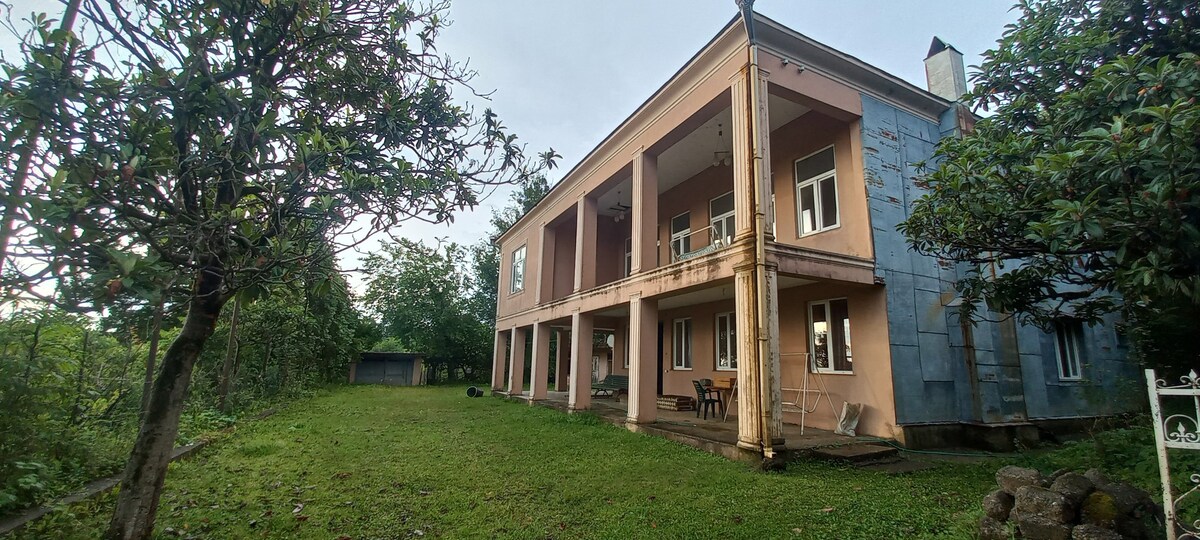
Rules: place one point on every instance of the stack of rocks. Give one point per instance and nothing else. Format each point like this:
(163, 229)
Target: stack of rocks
(1067, 506)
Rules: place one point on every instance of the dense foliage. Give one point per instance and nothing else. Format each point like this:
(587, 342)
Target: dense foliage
(1080, 194)
(71, 387)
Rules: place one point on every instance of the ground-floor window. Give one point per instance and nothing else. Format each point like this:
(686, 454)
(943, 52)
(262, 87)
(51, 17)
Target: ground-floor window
(1068, 336)
(726, 342)
(829, 336)
(682, 349)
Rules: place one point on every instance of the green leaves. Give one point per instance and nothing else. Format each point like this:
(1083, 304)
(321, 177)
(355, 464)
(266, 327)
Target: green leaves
(1085, 178)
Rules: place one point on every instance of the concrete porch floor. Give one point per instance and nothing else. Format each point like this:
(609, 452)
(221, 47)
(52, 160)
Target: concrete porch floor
(711, 435)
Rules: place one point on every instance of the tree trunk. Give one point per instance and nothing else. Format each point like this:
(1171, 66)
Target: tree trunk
(152, 356)
(231, 351)
(146, 470)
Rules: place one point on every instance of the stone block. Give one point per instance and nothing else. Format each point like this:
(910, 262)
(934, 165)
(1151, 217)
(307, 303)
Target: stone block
(1035, 527)
(1034, 501)
(1074, 486)
(1011, 478)
(1093, 532)
(997, 505)
(991, 529)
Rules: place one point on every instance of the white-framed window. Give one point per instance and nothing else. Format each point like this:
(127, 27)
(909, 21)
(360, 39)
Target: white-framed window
(681, 233)
(628, 257)
(816, 193)
(829, 336)
(774, 219)
(721, 217)
(726, 342)
(1068, 347)
(516, 275)
(681, 339)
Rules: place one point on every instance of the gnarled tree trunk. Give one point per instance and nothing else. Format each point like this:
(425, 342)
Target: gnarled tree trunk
(142, 481)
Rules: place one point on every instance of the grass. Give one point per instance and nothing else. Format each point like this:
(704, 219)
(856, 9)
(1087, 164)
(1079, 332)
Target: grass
(375, 462)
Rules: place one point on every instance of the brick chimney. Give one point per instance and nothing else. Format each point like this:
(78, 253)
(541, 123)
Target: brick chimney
(944, 70)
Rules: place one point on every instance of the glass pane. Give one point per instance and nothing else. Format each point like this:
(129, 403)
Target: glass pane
(829, 209)
(839, 315)
(808, 210)
(721, 205)
(681, 223)
(814, 165)
(732, 341)
(820, 337)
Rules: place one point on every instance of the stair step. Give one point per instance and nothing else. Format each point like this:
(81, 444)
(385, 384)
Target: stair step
(856, 453)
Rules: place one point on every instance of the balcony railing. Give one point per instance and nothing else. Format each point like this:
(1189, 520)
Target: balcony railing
(715, 243)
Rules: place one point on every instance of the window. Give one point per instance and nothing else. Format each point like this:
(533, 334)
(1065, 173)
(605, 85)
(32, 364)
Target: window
(681, 231)
(682, 349)
(829, 336)
(628, 257)
(816, 193)
(1068, 338)
(516, 282)
(720, 211)
(726, 342)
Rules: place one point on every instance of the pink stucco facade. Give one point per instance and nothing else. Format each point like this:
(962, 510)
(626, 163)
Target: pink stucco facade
(598, 250)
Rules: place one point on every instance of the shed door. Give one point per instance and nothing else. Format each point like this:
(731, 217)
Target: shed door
(399, 373)
(370, 372)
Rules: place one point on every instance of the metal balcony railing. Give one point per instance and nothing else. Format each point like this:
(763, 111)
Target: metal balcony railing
(715, 243)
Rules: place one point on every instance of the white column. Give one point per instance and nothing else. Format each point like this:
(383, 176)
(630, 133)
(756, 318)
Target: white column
(516, 362)
(581, 362)
(645, 212)
(749, 404)
(772, 399)
(499, 351)
(540, 366)
(751, 154)
(643, 360)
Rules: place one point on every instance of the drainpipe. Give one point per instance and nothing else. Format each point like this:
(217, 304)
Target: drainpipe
(760, 241)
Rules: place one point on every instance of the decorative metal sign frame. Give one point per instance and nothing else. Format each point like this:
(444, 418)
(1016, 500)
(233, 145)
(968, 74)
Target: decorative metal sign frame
(1181, 431)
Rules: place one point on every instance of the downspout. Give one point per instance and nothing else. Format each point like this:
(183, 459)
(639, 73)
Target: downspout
(760, 241)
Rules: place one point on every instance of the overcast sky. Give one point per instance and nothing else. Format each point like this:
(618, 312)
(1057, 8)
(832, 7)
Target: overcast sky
(565, 73)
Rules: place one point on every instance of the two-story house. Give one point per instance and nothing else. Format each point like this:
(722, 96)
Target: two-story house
(742, 223)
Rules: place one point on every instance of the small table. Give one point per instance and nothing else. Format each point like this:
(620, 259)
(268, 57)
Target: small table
(726, 391)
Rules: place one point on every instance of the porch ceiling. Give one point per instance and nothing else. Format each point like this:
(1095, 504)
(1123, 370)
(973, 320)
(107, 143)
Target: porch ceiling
(694, 153)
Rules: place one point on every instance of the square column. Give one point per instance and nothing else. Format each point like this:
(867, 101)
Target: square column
(751, 152)
(540, 368)
(585, 244)
(645, 213)
(563, 356)
(516, 363)
(545, 284)
(499, 353)
(759, 407)
(643, 361)
(581, 362)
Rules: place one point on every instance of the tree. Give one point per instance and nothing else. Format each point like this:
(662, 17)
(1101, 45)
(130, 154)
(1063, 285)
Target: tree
(422, 297)
(226, 144)
(1080, 195)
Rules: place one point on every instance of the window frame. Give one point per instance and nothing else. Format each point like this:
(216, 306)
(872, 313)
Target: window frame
(513, 287)
(676, 335)
(1072, 330)
(731, 343)
(812, 338)
(731, 216)
(683, 236)
(628, 256)
(815, 181)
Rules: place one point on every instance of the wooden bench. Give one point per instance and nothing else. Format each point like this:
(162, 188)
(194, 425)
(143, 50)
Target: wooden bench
(612, 385)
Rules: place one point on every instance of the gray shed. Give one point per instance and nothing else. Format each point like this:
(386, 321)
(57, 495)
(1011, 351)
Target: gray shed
(394, 368)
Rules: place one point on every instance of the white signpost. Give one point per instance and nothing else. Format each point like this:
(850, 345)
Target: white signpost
(1180, 431)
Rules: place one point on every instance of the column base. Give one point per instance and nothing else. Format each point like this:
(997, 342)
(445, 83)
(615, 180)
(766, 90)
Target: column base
(573, 409)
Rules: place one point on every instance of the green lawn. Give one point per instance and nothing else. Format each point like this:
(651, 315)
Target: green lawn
(374, 462)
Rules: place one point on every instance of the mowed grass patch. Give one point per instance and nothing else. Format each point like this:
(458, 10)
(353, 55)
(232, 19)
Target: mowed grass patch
(378, 462)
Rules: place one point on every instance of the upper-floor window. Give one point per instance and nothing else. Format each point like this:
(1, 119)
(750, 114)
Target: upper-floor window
(816, 193)
(681, 234)
(829, 336)
(516, 275)
(628, 257)
(721, 218)
(1068, 340)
